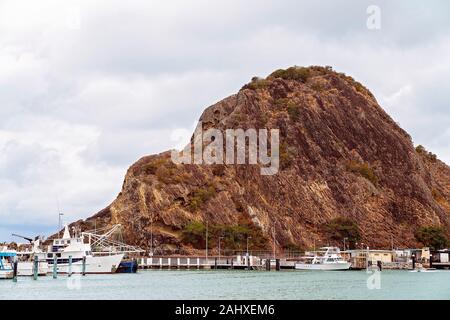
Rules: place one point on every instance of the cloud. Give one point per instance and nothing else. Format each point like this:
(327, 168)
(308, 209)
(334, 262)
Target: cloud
(87, 87)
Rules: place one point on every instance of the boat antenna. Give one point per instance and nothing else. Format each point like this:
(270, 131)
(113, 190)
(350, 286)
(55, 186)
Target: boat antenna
(60, 214)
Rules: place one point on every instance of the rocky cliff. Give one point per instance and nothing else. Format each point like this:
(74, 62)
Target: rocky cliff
(341, 155)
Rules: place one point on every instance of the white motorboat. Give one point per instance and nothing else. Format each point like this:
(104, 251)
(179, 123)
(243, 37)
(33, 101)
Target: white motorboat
(328, 258)
(25, 259)
(26, 268)
(6, 263)
(82, 260)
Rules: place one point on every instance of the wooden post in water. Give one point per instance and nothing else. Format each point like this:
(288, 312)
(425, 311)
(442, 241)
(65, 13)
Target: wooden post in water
(215, 263)
(15, 263)
(232, 267)
(69, 272)
(277, 265)
(35, 267)
(267, 264)
(55, 267)
(83, 270)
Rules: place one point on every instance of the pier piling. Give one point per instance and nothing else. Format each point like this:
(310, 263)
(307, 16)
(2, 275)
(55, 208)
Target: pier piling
(83, 271)
(55, 267)
(277, 265)
(15, 269)
(69, 272)
(35, 267)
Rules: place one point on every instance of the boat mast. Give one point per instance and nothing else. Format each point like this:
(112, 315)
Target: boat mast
(60, 214)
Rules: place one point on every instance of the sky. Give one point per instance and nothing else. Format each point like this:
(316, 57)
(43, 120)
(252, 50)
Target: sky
(89, 87)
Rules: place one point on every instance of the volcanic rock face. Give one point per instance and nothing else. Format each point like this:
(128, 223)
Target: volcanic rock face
(341, 155)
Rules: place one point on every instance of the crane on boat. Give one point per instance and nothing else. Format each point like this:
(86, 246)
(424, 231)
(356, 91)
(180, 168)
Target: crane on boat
(103, 243)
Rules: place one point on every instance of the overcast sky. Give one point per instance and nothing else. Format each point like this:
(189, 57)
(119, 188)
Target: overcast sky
(87, 89)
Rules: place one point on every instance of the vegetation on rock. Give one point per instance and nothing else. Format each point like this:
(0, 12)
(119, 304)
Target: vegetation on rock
(429, 155)
(200, 196)
(342, 228)
(233, 237)
(433, 237)
(256, 83)
(362, 169)
(293, 73)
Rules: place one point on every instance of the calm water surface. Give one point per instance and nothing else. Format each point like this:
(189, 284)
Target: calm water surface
(154, 284)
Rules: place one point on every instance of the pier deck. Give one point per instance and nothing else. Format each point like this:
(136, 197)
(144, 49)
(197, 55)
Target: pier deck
(236, 262)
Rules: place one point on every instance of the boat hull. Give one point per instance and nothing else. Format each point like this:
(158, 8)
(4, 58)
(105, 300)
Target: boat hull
(25, 268)
(6, 274)
(94, 265)
(323, 266)
(128, 267)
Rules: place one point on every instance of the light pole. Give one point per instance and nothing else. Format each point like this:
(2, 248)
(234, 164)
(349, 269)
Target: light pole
(273, 234)
(219, 246)
(248, 258)
(206, 241)
(247, 245)
(367, 267)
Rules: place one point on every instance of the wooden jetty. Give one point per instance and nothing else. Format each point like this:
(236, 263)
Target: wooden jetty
(213, 262)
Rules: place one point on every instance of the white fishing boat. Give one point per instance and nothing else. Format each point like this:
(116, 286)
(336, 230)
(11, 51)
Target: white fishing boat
(25, 265)
(6, 263)
(82, 260)
(328, 259)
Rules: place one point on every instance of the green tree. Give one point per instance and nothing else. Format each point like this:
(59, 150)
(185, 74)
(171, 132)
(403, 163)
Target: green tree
(432, 236)
(340, 228)
(195, 233)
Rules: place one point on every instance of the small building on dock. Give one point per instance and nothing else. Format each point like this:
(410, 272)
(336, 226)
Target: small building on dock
(441, 259)
(361, 258)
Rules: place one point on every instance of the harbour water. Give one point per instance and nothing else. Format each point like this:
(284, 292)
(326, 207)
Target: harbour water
(204, 284)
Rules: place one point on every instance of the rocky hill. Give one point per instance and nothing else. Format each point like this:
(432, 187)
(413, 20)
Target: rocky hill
(341, 155)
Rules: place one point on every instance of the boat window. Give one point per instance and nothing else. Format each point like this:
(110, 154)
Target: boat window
(58, 255)
(49, 255)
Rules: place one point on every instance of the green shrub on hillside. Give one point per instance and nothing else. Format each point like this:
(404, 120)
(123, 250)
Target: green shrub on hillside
(194, 233)
(362, 169)
(200, 196)
(342, 228)
(233, 237)
(429, 155)
(286, 158)
(256, 83)
(432, 236)
(153, 165)
(293, 73)
(293, 111)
